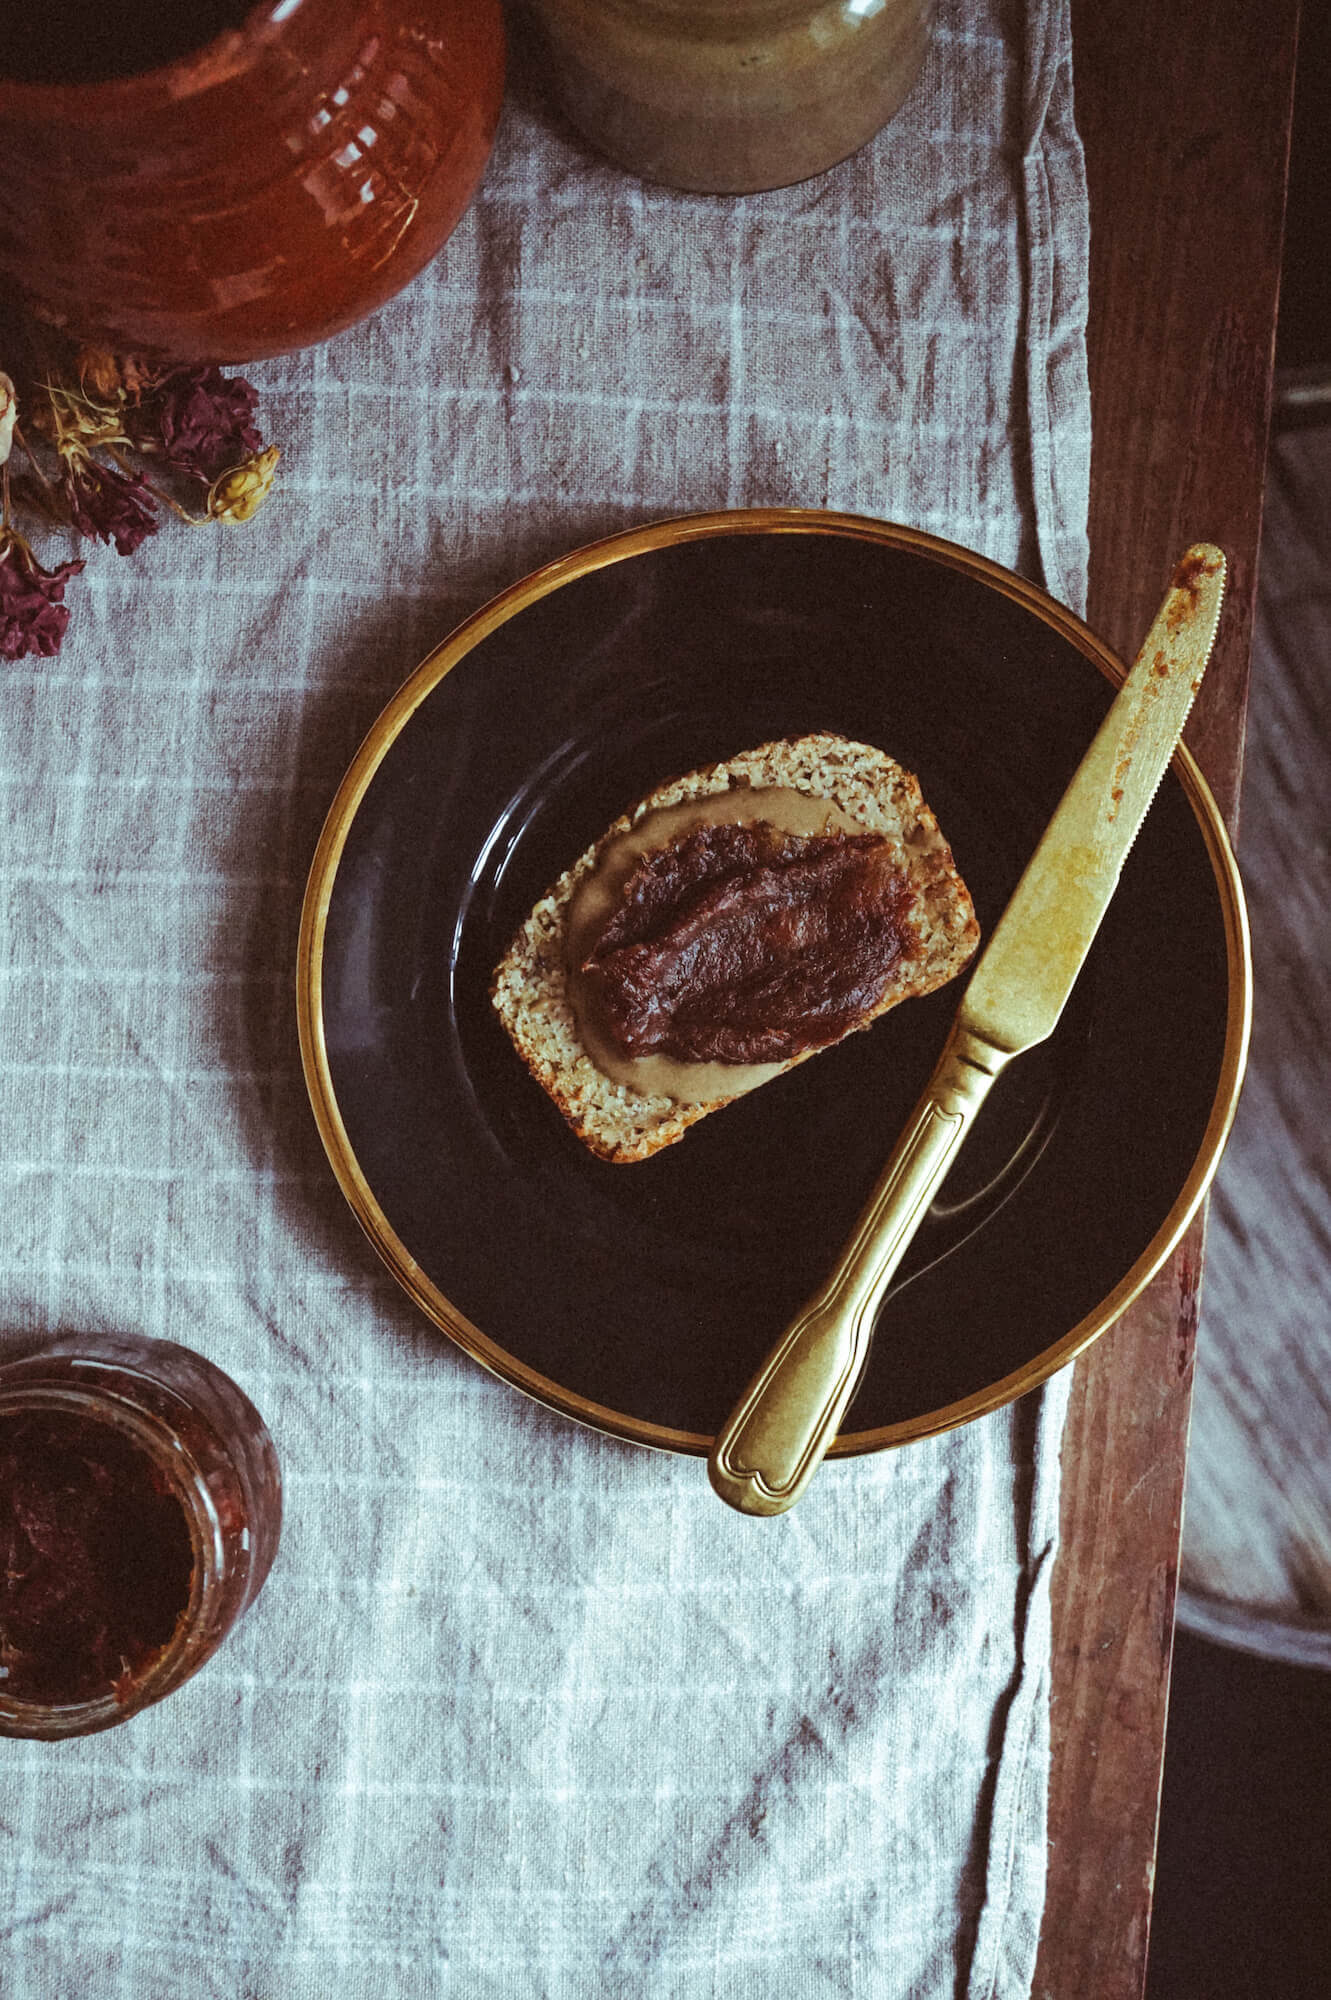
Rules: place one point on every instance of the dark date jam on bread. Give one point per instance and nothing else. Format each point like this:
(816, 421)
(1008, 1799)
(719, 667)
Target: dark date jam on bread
(746, 943)
(98, 1559)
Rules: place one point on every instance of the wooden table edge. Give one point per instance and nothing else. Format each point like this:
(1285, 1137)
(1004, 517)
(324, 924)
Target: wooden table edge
(1185, 120)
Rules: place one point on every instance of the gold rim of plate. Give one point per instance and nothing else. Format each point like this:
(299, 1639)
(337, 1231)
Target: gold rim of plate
(393, 719)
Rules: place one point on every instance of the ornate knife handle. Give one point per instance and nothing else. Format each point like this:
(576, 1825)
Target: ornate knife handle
(775, 1437)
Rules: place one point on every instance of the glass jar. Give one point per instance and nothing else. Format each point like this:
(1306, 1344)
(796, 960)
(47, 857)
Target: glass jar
(141, 1502)
(728, 96)
(254, 194)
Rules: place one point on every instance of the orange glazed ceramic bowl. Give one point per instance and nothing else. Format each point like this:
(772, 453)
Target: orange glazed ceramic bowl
(254, 194)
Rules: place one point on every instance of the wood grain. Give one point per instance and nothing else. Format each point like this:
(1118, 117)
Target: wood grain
(1185, 117)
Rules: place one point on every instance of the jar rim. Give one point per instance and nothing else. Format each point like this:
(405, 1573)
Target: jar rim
(224, 56)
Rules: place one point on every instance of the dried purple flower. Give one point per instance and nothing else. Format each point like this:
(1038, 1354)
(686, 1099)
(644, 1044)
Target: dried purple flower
(33, 615)
(114, 506)
(203, 420)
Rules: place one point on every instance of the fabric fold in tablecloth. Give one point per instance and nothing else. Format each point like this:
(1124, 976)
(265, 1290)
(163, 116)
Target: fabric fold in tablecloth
(522, 1711)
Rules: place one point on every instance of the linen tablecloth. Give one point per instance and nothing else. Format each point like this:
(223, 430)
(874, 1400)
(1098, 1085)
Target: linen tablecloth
(523, 1711)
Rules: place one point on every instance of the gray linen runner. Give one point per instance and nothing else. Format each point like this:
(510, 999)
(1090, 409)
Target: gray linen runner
(523, 1711)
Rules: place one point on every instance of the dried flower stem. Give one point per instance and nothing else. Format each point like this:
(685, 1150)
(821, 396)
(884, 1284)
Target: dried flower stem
(36, 467)
(181, 513)
(117, 456)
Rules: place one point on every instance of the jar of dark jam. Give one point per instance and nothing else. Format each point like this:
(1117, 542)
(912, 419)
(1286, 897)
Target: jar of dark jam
(140, 1509)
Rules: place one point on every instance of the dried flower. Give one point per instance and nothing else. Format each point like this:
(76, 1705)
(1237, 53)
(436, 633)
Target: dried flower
(68, 420)
(239, 494)
(203, 420)
(114, 506)
(136, 374)
(99, 375)
(33, 615)
(108, 378)
(103, 418)
(8, 416)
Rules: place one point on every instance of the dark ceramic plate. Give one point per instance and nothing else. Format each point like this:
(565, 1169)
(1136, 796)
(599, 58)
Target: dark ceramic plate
(641, 1298)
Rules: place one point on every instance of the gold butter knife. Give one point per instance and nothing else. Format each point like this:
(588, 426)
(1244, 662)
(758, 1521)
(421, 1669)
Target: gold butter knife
(778, 1432)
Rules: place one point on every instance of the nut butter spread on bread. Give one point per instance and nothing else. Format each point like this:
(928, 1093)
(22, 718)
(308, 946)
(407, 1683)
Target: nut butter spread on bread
(732, 923)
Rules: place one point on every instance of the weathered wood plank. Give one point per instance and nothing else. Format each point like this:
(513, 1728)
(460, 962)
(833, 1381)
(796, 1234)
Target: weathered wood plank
(1185, 118)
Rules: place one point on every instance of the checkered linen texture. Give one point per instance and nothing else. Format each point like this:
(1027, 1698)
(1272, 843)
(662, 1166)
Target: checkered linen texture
(523, 1713)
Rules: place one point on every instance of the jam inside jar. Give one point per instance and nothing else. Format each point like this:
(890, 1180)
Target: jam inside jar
(140, 1510)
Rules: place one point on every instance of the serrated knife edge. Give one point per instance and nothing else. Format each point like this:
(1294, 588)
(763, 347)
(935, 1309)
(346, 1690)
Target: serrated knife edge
(1023, 977)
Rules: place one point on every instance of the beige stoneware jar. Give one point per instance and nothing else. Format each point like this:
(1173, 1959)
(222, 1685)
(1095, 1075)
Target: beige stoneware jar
(729, 96)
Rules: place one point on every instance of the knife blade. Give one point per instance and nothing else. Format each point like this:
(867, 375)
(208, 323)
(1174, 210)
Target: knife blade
(781, 1427)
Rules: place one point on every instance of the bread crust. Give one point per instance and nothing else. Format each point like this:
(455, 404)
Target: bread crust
(530, 986)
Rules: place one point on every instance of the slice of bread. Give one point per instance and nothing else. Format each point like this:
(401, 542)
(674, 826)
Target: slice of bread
(530, 989)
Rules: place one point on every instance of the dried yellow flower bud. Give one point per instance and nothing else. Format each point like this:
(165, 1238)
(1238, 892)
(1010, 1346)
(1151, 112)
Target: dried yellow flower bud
(239, 494)
(107, 378)
(99, 375)
(8, 417)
